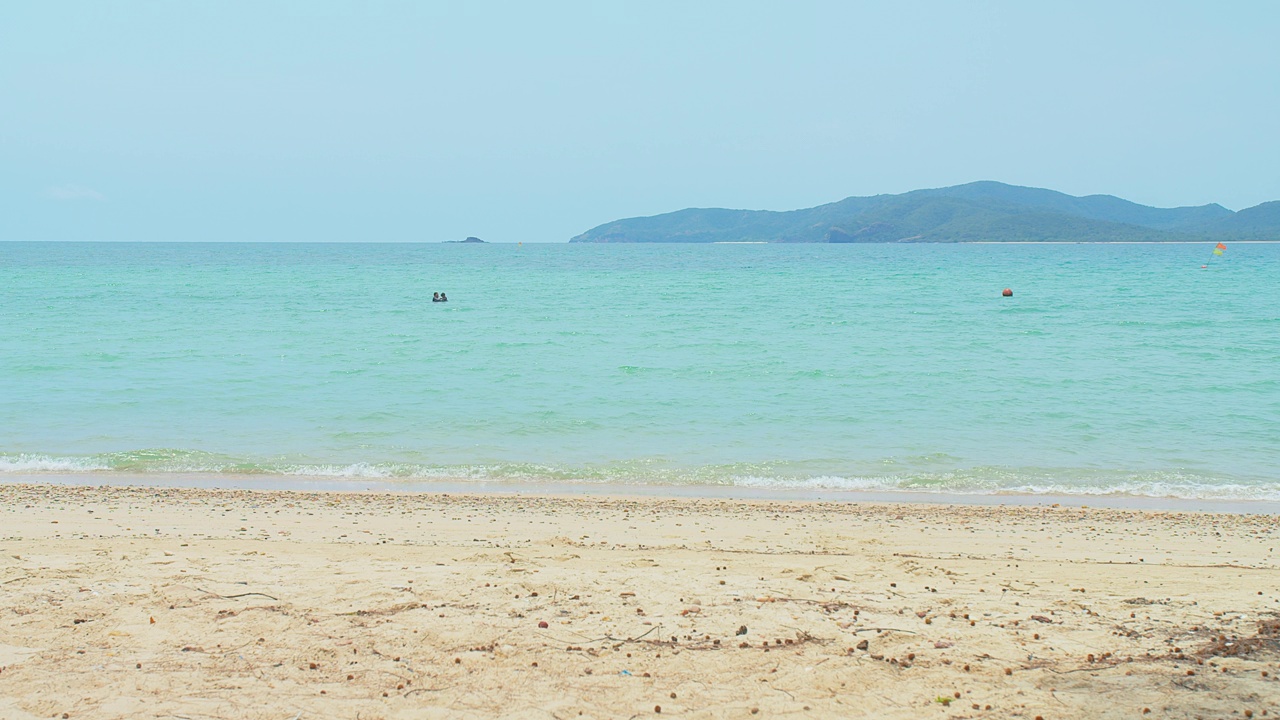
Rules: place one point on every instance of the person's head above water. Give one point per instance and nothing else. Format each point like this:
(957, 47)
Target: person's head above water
(443, 297)
(435, 296)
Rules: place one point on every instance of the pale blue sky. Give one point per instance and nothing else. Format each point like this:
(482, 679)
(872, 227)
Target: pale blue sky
(416, 121)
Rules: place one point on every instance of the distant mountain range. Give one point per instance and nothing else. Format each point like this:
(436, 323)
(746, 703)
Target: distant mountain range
(979, 211)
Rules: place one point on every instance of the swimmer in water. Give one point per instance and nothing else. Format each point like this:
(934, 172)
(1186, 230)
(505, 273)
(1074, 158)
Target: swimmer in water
(443, 298)
(435, 297)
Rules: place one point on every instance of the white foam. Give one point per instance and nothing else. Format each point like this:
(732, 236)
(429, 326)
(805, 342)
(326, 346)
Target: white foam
(382, 471)
(1169, 486)
(1184, 491)
(971, 481)
(23, 463)
(824, 482)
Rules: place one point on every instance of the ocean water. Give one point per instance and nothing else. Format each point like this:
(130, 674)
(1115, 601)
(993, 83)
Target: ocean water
(1113, 369)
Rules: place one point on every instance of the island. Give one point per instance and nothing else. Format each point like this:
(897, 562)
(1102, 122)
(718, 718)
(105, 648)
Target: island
(985, 211)
(468, 240)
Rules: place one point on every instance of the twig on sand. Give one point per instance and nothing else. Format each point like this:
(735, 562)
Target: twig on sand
(778, 689)
(608, 638)
(418, 690)
(827, 605)
(1091, 668)
(238, 595)
(394, 609)
(884, 629)
(646, 632)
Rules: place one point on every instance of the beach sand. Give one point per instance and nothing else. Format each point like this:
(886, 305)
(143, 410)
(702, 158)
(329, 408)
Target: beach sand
(184, 603)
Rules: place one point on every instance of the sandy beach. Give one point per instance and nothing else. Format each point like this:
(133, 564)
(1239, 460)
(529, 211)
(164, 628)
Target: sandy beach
(197, 603)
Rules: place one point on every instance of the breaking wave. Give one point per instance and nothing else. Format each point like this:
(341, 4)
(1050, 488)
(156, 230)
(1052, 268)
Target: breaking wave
(988, 480)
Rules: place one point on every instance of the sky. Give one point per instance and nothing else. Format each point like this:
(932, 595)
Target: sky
(533, 122)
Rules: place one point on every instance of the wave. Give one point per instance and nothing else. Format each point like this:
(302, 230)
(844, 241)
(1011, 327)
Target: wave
(10, 464)
(986, 480)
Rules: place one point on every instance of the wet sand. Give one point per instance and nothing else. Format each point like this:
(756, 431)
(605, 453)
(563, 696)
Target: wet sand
(196, 603)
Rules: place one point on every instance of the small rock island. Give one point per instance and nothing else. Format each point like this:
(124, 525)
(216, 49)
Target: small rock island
(468, 240)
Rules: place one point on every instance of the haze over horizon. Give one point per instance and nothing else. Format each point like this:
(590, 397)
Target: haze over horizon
(426, 122)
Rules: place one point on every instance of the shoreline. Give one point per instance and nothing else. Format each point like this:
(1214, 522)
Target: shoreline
(160, 601)
(462, 486)
(569, 242)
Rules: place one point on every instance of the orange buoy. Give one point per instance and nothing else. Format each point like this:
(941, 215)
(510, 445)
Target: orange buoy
(1007, 292)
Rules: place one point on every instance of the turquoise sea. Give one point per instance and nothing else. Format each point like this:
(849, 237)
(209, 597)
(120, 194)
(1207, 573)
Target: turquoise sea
(1113, 369)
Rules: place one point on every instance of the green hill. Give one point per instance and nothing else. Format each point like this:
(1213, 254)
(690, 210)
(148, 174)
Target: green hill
(980, 211)
(1260, 222)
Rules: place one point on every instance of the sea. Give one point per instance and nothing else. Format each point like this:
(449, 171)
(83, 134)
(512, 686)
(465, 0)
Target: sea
(1113, 369)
